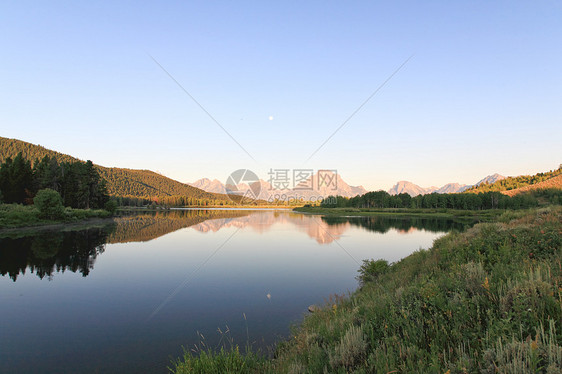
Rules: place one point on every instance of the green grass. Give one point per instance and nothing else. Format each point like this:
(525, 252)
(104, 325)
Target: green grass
(223, 361)
(17, 215)
(486, 300)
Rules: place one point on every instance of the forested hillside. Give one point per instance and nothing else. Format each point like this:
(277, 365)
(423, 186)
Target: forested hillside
(549, 184)
(512, 183)
(143, 184)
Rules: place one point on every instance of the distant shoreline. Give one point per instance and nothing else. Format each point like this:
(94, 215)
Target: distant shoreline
(400, 212)
(218, 207)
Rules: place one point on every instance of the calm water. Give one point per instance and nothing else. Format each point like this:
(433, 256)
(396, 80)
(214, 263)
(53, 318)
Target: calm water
(124, 298)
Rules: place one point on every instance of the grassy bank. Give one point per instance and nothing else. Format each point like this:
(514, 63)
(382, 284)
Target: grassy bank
(486, 300)
(16, 216)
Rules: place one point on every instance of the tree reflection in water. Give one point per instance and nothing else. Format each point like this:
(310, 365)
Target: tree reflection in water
(47, 253)
(50, 252)
(383, 224)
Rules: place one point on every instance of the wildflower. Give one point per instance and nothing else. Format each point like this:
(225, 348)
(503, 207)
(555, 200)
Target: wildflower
(486, 284)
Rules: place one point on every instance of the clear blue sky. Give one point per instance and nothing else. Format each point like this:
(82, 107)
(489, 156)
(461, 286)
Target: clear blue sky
(482, 94)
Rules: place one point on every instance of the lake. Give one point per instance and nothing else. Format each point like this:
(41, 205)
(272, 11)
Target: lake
(125, 297)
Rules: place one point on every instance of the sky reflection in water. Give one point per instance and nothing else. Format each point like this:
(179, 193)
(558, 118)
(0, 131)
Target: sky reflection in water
(81, 301)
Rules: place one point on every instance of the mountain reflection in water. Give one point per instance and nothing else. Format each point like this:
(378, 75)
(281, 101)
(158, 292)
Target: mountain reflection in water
(47, 253)
(124, 296)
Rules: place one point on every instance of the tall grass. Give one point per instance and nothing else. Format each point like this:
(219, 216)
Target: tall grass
(225, 358)
(486, 300)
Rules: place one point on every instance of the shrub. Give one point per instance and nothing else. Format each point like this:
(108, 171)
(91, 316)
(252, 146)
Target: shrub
(371, 270)
(111, 206)
(49, 204)
(351, 348)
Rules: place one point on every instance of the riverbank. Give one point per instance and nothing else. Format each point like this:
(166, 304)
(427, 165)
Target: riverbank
(16, 217)
(214, 207)
(485, 300)
(483, 215)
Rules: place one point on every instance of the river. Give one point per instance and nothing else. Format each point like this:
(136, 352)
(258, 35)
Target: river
(126, 297)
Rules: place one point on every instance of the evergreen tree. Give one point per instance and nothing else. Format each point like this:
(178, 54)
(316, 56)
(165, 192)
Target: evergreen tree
(16, 179)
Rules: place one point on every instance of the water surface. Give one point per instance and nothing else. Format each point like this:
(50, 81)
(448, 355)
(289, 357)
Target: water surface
(125, 297)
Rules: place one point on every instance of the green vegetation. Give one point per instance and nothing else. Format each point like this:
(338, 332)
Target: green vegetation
(486, 300)
(16, 215)
(224, 361)
(78, 183)
(511, 183)
(139, 187)
(457, 201)
(51, 187)
(10, 148)
(130, 187)
(49, 204)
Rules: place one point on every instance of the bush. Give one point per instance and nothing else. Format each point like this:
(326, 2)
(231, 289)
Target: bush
(49, 204)
(351, 348)
(17, 215)
(111, 206)
(371, 270)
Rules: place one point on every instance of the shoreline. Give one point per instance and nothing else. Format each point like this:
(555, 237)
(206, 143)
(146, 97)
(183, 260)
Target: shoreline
(58, 226)
(399, 212)
(215, 207)
(404, 314)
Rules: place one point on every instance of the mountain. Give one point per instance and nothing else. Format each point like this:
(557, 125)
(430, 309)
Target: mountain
(410, 188)
(415, 190)
(120, 181)
(213, 186)
(318, 183)
(452, 188)
(490, 179)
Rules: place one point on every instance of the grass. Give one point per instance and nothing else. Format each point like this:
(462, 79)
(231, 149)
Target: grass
(486, 300)
(17, 215)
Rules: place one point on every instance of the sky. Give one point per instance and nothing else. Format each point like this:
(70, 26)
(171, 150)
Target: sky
(192, 89)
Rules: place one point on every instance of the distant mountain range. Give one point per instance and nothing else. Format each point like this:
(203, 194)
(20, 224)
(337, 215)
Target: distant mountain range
(313, 187)
(415, 190)
(149, 185)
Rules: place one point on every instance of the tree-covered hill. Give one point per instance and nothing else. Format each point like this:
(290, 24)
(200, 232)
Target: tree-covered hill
(513, 183)
(122, 182)
(552, 183)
